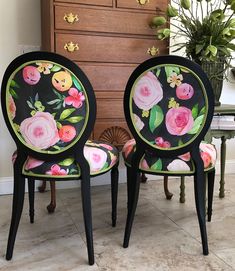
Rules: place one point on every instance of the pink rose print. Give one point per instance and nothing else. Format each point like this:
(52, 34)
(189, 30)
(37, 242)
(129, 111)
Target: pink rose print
(143, 164)
(12, 107)
(206, 159)
(32, 163)
(148, 91)
(106, 146)
(161, 143)
(31, 75)
(67, 133)
(179, 120)
(40, 130)
(128, 147)
(95, 157)
(186, 156)
(75, 99)
(56, 170)
(138, 122)
(184, 91)
(210, 150)
(178, 165)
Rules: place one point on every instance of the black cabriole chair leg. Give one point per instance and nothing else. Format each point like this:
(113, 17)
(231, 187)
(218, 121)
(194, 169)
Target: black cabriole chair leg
(129, 186)
(114, 193)
(31, 188)
(211, 180)
(132, 204)
(17, 207)
(86, 204)
(199, 189)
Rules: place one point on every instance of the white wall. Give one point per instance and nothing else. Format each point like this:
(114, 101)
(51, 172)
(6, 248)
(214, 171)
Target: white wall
(19, 25)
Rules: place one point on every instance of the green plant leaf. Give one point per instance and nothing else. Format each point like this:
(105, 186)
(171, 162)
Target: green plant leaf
(67, 162)
(195, 111)
(75, 119)
(170, 69)
(196, 125)
(199, 48)
(76, 83)
(156, 117)
(157, 165)
(13, 93)
(55, 68)
(66, 113)
(158, 72)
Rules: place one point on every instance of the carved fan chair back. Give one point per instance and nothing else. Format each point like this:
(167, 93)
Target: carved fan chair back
(50, 109)
(168, 105)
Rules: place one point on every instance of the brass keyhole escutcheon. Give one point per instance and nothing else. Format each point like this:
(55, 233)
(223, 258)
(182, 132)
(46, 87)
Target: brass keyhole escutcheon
(143, 2)
(71, 18)
(71, 47)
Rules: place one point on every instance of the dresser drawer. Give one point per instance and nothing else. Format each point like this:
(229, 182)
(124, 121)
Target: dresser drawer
(104, 77)
(108, 20)
(108, 3)
(111, 108)
(106, 49)
(159, 5)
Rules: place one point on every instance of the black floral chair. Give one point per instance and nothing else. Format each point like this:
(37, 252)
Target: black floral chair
(168, 105)
(50, 109)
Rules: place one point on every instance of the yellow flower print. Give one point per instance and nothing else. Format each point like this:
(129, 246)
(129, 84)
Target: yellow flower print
(173, 103)
(175, 80)
(145, 113)
(44, 67)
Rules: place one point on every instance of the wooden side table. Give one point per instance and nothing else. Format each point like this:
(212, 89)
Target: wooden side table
(223, 134)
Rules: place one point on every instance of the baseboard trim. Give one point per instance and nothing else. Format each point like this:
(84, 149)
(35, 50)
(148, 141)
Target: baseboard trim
(6, 183)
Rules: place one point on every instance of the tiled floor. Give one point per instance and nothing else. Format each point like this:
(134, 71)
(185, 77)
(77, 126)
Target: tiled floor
(165, 233)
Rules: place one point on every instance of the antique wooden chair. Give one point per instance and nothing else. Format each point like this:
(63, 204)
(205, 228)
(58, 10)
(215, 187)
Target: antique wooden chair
(49, 107)
(168, 104)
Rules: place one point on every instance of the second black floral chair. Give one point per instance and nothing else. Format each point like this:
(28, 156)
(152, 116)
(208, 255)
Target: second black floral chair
(169, 105)
(49, 107)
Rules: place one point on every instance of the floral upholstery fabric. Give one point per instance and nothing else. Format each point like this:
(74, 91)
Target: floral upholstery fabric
(179, 165)
(100, 156)
(168, 106)
(47, 106)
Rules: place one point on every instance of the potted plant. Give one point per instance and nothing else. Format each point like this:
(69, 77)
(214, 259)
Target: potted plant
(208, 31)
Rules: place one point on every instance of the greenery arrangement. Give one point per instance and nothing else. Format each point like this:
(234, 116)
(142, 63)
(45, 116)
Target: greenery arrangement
(208, 27)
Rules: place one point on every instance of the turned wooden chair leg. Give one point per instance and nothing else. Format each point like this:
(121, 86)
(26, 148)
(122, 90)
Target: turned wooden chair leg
(52, 205)
(42, 188)
(182, 190)
(168, 194)
(143, 178)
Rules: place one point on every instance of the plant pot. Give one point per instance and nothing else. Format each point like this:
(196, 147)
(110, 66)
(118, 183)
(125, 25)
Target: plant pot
(215, 72)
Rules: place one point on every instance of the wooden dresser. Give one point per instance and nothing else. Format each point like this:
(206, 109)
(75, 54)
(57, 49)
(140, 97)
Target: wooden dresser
(107, 39)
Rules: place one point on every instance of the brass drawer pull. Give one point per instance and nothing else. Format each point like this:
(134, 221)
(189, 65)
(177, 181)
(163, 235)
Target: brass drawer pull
(71, 18)
(152, 51)
(142, 2)
(71, 47)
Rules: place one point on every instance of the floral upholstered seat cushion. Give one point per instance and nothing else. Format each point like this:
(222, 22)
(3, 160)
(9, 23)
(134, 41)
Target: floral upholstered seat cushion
(179, 165)
(101, 158)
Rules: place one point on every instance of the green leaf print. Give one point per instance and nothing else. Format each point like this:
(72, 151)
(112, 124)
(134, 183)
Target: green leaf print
(75, 119)
(196, 125)
(156, 117)
(66, 113)
(195, 111)
(171, 69)
(14, 84)
(203, 111)
(67, 162)
(157, 165)
(13, 93)
(105, 166)
(76, 83)
(55, 68)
